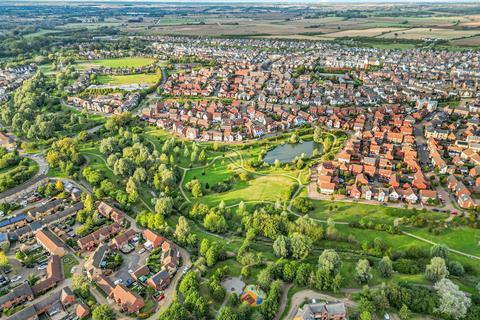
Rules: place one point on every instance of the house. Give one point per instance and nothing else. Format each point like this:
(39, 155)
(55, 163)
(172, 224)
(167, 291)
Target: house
(159, 281)
(465, 201)
(140, 273)
(327, 187)
(323, 311)
(82, 310)
(123, 239)
(16, 296)
(54, 276)
(90, 241)
(95, 265)
(67, 297)
(153, 240)
(426, 195)
(48, 240)
(129, 301)
(410, 196)
(110, 212)
(45, 210)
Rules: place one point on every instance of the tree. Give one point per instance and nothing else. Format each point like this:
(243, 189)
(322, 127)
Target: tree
(453, 302)
(228, 313)
(281, 246)
(478, 287)
(103, 312)
(365, 315)
(317, 134)
(182, 230)
(436, 270)
(404, 312)
(4, 263)
(164, 206)
(385, 267)
(301, 245)
(439, 250)
(363, 271)
(455, 268)
(329, 261)
(215, 222)
(175, 311)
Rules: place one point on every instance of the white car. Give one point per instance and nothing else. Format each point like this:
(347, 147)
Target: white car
(141, 251)
(42, 267)
(130, 271)
(16, 278)
(118, 281)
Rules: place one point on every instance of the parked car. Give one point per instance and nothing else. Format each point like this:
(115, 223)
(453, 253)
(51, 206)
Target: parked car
(16, 278)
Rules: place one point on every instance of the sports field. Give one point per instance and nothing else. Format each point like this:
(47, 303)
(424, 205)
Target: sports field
(149, 78)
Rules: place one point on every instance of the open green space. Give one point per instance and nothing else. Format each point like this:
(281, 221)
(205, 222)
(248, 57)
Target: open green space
(68, 263)
(354, 211)
(128, 62)
(462, 239)
(262, 189)
(144, 78)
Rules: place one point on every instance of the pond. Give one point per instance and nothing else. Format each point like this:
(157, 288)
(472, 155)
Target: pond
(288, 152)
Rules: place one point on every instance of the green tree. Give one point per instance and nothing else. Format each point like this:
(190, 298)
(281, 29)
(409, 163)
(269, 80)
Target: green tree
(439, 250)
(301, 245)
(365, 315)
(404, 312)
(281, 246)
(175, 311)
(385, 267)
(4, 263)
(363, 271)
(436, 270)
(103, 312)
(329, 261)
(228, 313)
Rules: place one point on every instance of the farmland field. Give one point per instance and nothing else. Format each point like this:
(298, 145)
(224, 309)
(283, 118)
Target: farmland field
(421, 33)
(371, 32)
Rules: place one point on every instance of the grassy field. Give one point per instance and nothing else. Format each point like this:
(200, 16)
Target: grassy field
(262, 189)
(371, 32)
(350, 211)
(148, 78)
(40, 33)
(68, 263)
(463, 239)
(129, 62)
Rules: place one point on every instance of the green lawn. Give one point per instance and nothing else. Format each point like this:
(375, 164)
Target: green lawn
(147, 78)
(352, 211)
(262, 189)
(68, 263)
(462, 239)
(129, 62)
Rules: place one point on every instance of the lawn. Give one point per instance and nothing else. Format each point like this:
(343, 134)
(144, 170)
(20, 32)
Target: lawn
(128, 62)
(218, 171)
(262, 189)
(144, 78)
(68, 263)
(462, 239)
(352, 211)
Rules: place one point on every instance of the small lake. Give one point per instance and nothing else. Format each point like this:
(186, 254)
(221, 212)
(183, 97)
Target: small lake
(287, 152)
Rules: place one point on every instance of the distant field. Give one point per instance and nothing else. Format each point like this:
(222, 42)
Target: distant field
(421, 33)
(371, 32)
(472, 41)
(90, 25)
(39, 33)
(149, 78)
